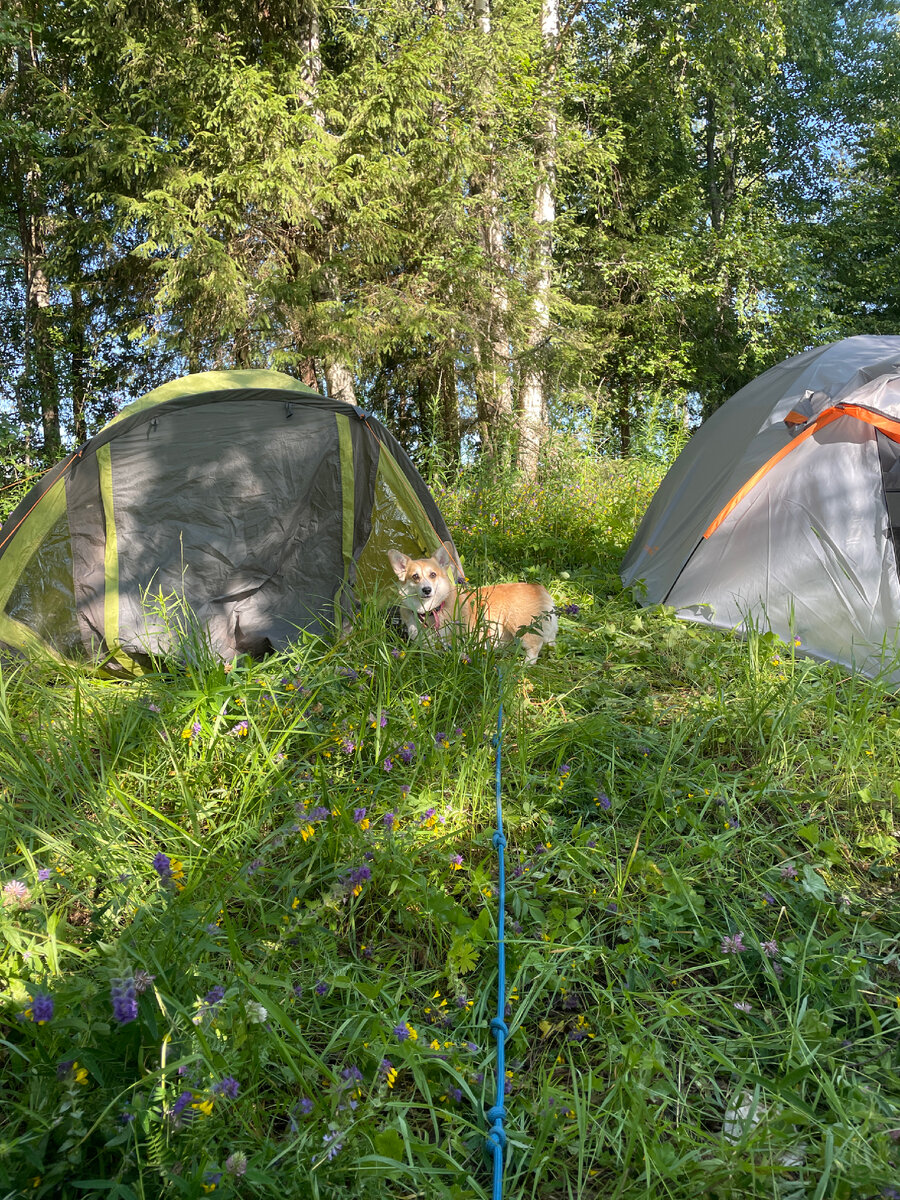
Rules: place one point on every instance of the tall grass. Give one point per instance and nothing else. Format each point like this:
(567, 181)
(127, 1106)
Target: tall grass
(249, 914)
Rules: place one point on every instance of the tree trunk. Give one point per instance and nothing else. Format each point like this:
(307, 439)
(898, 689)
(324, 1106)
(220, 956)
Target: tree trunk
(38, 358)
(339, 378)
(493, 382)
(533, 398)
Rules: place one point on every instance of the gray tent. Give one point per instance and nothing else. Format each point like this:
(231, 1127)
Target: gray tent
(241, 496)
(783, 511)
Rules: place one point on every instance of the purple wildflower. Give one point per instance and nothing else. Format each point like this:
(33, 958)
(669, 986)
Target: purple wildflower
(405, 789)
(319, 813)
(44, 874)
(321, 988)
(441, 740)
(388, 765)
(401, 1033)
(227, 1087)
(603, 801)
(455, 1094)
(211, 1179)
(733, 945)
(769, 949)
(124, 1000)
(769, 900)
(333, 1144)
(306, 1105)
(214, 996)
(407, 752)
(162, 865)
(348, 746)
(359, 814)
(789, 871)
(42, 1008)
(181, 1103)
(572, 610)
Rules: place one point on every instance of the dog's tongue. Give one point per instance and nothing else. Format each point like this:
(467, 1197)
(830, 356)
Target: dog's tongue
(434, 615)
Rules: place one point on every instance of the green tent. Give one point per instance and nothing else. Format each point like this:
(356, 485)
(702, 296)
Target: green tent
(243, 497)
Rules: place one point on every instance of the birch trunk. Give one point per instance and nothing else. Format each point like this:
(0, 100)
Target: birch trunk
(39, 366)
(340, 382)
(493, 381)
(533, 397)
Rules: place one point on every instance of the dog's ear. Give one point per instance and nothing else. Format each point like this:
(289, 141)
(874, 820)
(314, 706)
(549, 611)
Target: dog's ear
(399, 562)
(441, 557)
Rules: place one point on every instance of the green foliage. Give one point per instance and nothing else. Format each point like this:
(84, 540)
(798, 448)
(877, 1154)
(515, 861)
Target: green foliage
(262, 900)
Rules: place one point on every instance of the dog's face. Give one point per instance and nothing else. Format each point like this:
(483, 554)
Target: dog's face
(424, 582)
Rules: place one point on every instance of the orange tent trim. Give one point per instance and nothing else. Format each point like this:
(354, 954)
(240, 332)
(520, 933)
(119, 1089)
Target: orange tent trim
(889, 426)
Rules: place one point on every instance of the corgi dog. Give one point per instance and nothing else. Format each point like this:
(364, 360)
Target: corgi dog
(430, 600)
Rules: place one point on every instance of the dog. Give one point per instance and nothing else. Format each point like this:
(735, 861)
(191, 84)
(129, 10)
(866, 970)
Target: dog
(430, 600)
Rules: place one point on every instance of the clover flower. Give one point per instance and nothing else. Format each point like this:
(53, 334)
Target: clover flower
(789, 871)
(769, 949)
(236, 1164)
(124, 999)
(733, 944)
(256, 1013)
(16, 892)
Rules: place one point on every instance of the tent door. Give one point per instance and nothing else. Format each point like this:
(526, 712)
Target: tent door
(889, 455)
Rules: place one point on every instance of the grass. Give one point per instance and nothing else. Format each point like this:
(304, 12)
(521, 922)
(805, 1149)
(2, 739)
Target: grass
(248, 930)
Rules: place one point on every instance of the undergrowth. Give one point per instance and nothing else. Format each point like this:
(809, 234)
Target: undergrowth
(249, 909)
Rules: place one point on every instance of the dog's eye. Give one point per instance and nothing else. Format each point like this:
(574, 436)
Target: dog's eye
(433, 575)
(415, 577)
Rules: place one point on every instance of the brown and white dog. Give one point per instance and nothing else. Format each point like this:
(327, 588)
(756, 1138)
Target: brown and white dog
(430, 600)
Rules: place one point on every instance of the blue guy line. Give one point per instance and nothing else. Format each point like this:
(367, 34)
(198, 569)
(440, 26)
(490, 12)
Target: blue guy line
(496, 1139)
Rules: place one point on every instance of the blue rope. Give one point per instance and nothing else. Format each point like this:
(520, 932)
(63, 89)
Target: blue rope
(496, 1139)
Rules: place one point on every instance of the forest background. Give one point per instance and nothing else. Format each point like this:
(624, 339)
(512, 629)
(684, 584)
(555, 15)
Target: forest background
(481, 219)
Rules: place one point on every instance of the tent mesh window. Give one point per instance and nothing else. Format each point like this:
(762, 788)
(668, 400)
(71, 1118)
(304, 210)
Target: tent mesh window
(44, 595)
(889, 454)
(391, 528)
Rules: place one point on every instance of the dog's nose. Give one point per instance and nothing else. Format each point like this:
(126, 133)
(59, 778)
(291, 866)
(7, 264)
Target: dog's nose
(426, 589)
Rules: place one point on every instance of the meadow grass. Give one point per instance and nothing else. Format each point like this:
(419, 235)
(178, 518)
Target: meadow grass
(248, 929)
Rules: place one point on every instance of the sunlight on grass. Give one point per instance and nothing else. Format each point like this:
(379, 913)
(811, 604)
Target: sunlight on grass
(248, 910)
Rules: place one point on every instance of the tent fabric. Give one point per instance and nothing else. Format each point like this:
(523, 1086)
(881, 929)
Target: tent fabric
(780, 514)
(260, 506)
